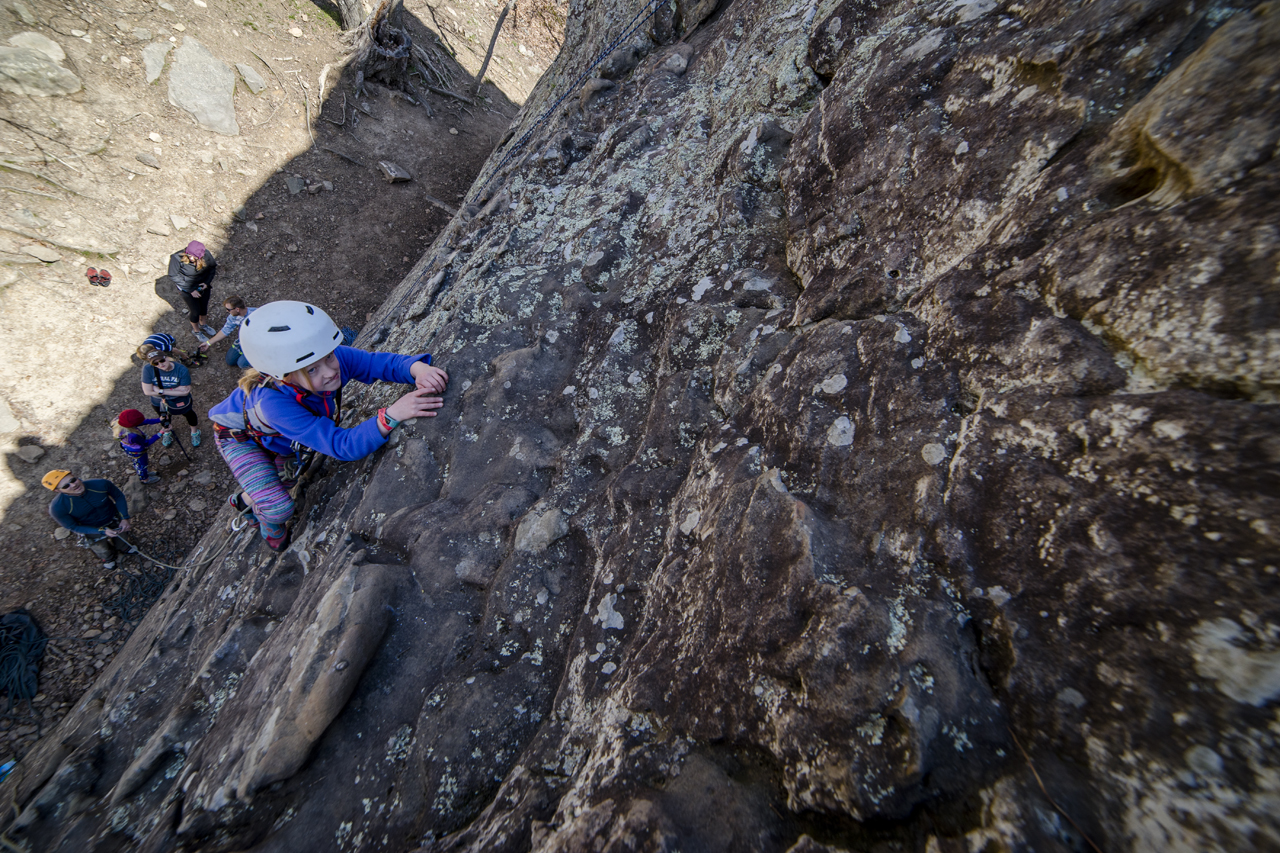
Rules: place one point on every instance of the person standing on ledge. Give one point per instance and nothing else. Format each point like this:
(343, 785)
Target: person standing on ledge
(292, 398)
(95, 509)
(192, 271)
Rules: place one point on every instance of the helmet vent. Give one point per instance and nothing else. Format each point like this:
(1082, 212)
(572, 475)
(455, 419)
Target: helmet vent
(305, 357)
(311, 310)
(279, 329)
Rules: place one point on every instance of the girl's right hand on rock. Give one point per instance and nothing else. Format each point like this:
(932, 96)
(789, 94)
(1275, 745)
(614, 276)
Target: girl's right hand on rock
(415, 404)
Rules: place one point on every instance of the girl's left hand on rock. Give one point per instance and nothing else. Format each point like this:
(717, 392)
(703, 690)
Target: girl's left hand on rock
(429, 378)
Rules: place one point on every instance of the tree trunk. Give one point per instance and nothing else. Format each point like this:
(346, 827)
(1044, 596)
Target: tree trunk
(351, 12)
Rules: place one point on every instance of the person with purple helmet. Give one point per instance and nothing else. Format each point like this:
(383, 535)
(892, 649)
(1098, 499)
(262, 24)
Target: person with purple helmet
(192, 271)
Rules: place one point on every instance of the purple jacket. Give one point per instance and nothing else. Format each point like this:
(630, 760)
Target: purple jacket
(308, 420)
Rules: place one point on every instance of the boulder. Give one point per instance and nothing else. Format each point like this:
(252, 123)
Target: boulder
(204, 86)
(27, 71)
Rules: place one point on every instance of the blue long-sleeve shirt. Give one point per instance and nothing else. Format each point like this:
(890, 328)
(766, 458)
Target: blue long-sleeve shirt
(135, 444)
(100, 506)
(313, 427)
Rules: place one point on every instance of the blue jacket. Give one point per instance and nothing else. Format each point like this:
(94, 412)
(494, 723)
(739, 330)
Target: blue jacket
(307, 418)
(136, 444)
(101, 505)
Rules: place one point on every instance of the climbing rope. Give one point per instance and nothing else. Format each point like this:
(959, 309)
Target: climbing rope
(638, 21)
(22, 644)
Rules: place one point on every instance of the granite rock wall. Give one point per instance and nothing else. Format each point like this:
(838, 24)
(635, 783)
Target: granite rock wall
(862, 435)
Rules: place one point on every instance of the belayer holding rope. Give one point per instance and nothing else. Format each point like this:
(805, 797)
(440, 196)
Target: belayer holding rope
(134, 442)
(168, 384)
(290, 401)
(95, 509)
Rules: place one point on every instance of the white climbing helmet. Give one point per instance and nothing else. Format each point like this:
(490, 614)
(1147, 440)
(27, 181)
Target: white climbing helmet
(284, 336)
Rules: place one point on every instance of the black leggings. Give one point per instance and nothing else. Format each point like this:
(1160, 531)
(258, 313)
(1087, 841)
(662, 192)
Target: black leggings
(197, 306)
(189, 414)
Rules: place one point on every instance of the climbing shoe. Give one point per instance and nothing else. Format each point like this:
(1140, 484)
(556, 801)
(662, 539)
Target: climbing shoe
(151, 480)
(195, 438)
(279, 543)
(167, 438)
(245, 517)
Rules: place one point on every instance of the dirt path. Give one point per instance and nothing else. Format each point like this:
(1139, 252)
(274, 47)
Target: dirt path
(117, 169)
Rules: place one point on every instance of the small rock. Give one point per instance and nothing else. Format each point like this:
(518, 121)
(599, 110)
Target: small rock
(328, 186)
(27, 218)
(315, 188)
(141, 35)
(179, 222)
(15, 527)
(153, 57)
(180, 28)
(155, 137)
(61, 533)
(676, 64)
(171, 515)
(30, 452)
(251, 78)
(393, 173)
(292, 247)
(43, 253)
(23, 12)
(197, 505)
(168, 7)
(453, 131)
(90, 634)
(159, 228)
(295, 32)
(295, 184)
(204, 478)
(166, 460)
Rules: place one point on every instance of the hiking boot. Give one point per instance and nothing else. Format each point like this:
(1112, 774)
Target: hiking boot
(195, 438)
(151, 480)
(166, 439)
(208, 330)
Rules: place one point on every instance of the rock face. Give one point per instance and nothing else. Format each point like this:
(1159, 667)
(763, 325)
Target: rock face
(860, 415)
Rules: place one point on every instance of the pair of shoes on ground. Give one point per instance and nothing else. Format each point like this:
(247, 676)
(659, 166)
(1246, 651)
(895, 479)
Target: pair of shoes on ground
(101, 278)
(151, 479)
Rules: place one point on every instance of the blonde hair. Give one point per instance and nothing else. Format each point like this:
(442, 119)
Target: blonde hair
(252, 378)
(118, 430)
(198, 263)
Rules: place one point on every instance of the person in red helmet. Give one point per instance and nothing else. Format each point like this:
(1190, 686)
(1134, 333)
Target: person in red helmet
(127, 427)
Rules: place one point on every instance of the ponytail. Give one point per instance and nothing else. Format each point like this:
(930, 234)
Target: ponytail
(251, 379)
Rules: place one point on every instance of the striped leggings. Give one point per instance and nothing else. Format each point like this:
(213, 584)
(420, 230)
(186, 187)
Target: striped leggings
(259, 473)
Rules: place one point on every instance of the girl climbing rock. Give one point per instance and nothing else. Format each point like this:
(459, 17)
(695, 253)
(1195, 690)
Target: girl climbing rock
(168, 384)
(134, 442)
(192, 271)
(290, 399)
